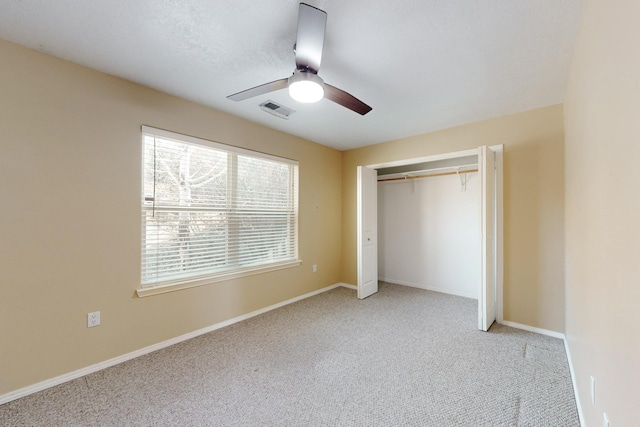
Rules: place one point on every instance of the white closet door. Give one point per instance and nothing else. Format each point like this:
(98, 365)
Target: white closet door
(367, 232)
(486, 302)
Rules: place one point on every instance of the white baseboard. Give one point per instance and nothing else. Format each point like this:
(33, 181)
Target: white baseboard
(25, 391)
(573, 380)
(348, 286)
(533, 329)
(428, 288)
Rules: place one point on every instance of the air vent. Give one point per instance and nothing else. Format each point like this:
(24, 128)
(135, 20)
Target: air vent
(277, 109)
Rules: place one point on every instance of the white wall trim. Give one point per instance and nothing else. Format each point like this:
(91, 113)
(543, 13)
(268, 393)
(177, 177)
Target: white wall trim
(348, 286)
(573, 381)
(34, 388)
(429, 288)
(213, 278)
(533, 329)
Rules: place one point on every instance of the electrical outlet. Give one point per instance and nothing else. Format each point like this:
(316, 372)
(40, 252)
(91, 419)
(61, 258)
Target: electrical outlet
(93, 319)
(315, 268)
(605, 420)
(593, 390)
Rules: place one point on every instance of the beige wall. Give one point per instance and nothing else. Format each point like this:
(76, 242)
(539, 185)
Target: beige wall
(602, 121)
(70, 220)
(533, 205)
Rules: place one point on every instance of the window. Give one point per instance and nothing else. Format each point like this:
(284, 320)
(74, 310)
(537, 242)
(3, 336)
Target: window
(212, 211)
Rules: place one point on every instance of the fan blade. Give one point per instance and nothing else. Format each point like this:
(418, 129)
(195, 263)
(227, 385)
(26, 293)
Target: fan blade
(260, 90)
(310, 38)
(345, 99)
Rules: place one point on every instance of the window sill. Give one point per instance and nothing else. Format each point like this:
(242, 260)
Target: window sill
(170, 287)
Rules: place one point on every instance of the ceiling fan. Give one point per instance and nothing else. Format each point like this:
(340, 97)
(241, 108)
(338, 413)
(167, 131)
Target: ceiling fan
(304, 84)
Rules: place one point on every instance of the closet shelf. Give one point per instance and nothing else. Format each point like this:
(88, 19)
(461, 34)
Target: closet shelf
(427, 173)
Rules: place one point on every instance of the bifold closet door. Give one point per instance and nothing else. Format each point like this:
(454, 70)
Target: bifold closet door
(367, 232)
(486, 301)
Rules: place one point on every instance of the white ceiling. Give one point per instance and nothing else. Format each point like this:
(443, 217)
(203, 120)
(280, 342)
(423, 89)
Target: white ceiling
(422, 65)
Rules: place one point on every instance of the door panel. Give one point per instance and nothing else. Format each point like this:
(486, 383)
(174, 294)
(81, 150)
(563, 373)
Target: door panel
(367, 232)
(486, 301)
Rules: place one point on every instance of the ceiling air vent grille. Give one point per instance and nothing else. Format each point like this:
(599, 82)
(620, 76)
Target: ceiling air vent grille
(277, 109)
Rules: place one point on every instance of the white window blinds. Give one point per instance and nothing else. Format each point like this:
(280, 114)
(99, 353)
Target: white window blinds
(209, 208)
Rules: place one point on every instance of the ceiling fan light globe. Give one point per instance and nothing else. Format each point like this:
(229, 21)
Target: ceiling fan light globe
(306, 87)
(306, 92)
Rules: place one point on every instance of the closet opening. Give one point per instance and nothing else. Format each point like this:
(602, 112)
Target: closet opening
(434, 223)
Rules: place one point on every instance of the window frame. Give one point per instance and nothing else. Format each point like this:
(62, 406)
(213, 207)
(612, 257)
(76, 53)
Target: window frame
(232, 273)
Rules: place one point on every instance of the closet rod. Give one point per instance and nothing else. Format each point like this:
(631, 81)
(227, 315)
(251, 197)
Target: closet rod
(426, 176)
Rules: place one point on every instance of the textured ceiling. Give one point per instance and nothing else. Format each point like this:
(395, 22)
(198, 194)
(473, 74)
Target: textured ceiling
(422, 65)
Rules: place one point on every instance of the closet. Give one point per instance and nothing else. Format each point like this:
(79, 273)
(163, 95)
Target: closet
(440, 226)
(429, 225)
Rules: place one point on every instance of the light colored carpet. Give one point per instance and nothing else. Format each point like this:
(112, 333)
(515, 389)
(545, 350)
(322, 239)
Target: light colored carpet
(402, 357)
